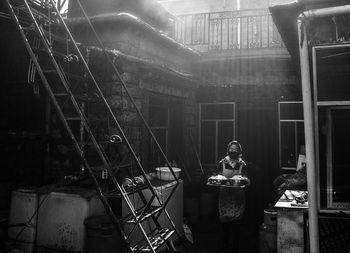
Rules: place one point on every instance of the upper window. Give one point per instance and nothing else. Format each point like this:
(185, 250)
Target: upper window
(291, 133)
(217, 128)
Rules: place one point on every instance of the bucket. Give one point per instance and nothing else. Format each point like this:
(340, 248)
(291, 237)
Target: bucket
(270, 217)
(268, 232)
(101, 235)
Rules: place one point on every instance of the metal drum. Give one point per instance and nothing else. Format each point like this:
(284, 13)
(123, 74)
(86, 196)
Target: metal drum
(268, 232)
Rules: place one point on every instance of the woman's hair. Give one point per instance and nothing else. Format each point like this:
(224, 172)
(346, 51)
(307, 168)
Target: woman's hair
(236, 143)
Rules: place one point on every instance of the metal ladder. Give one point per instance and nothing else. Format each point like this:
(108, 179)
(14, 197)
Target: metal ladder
(66, 76)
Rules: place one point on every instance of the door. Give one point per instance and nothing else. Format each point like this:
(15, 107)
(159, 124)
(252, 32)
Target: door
(338, 157)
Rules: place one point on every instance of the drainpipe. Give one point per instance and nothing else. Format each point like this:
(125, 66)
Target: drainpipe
(309, 138)
(309, 123)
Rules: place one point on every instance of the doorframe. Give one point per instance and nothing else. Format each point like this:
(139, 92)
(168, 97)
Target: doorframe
(316, 104)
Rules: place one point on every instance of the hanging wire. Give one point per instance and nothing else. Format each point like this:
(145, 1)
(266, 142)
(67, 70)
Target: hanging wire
(32, 68)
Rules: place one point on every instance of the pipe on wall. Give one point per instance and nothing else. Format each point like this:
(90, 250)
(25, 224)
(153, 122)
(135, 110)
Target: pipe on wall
(309, 123)
(309, 126)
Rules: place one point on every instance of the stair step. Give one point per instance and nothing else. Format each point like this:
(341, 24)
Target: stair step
(157, 240)
(152, 210)
(129, 190)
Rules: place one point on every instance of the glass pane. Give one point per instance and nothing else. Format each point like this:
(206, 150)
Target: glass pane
(300, 138)
(288, 156)
(217, 111)
(291, 111)
(340, 155)
(322, 133)
(225, 135)
(333, 72)
(208, 145)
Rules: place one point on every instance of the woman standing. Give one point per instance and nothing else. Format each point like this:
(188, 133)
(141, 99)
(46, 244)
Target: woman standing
(232, 199)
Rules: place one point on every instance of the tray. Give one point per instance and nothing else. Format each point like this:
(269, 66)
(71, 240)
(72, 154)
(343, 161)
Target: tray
(225, 185)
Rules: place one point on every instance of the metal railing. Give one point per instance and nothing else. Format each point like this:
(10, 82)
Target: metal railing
(228, 30)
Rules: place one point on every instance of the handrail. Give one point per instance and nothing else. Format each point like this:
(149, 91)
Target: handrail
(228, 30)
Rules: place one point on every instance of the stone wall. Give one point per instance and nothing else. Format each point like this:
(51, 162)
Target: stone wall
(145, 84)
(260, 71)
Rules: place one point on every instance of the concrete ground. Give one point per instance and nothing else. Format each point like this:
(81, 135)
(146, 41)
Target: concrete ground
(208, 238)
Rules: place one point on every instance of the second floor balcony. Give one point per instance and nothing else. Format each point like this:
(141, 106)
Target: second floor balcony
(230, 32)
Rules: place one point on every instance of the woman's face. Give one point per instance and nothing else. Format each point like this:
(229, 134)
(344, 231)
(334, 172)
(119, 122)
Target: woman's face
(234, 151)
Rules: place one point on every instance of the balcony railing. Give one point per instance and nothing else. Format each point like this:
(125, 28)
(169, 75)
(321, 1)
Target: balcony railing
(229, 30)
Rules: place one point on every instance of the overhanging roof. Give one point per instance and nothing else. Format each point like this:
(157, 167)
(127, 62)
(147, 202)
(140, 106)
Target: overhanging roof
(285, 18)
(127, 19)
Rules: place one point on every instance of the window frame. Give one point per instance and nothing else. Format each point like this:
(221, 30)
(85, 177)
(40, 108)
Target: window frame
(233, 120)
(163, 127)
(295, 121)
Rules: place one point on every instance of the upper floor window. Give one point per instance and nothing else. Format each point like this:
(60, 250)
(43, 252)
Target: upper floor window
(217, 128)
(291, 133)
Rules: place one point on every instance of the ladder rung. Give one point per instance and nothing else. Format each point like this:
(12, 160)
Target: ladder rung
(156, 240)
(152, 210)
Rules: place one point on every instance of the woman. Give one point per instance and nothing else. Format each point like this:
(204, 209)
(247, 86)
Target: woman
(232, 199)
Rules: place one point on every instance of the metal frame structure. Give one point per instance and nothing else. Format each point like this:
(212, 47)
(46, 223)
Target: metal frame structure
(44, 20)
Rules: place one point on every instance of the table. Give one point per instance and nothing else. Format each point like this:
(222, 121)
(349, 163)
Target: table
(290, 223)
